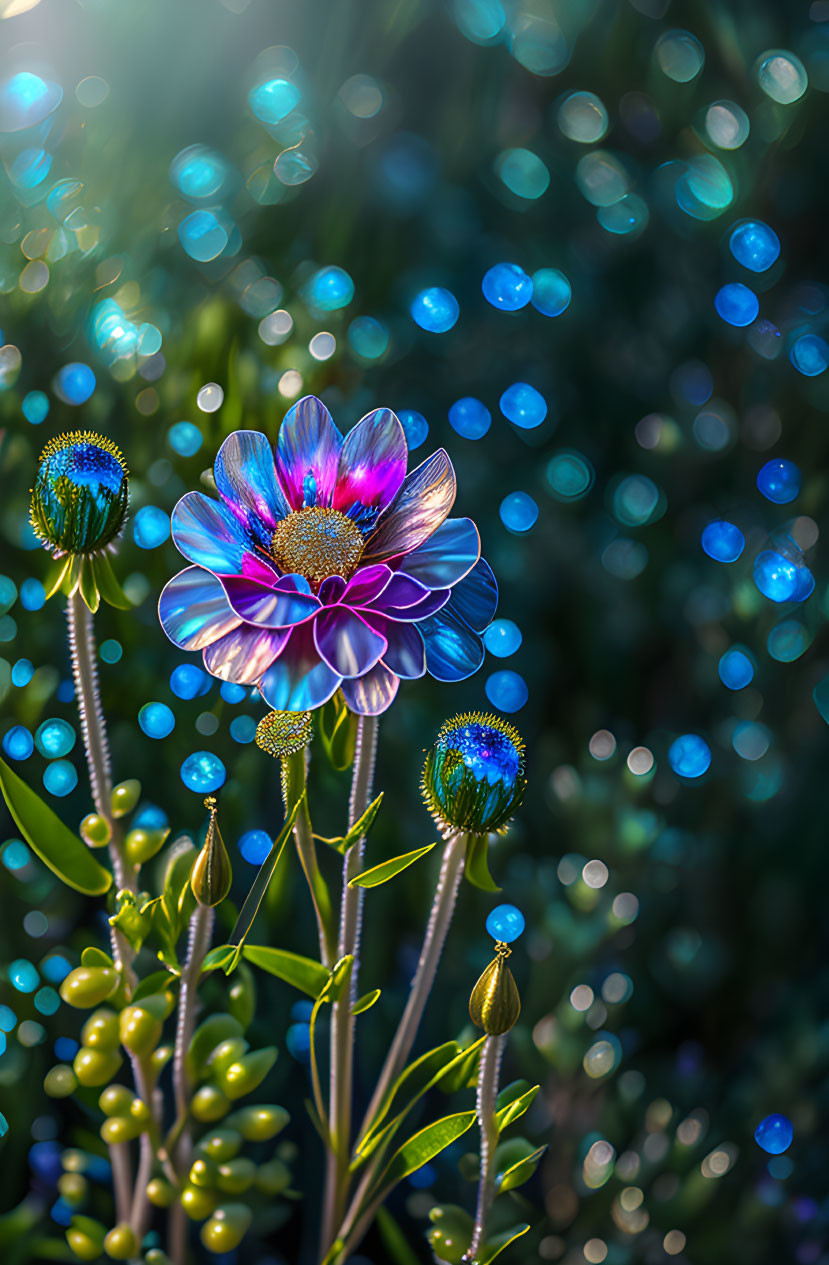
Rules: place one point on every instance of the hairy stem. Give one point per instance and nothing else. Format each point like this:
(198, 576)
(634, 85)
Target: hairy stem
(119, 1155)
(488, 1072)
(342, 1020)
(294, 772)
(200, 931)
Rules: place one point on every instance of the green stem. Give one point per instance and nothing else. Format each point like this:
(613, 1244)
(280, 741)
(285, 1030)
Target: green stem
(294, 775)
(488, 1072)
(342, 1020)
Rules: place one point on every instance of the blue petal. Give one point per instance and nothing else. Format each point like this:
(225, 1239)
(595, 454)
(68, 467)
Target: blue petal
(475, 599)
(194, 610)
(346, 642)
(208, 534)
(245, 653)
(245, 476)
(308, 443)
(453, 650)
(447, 556)
(371, 694)
(404, 655)
(299, 680)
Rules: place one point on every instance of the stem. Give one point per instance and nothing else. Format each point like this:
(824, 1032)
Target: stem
(342, 1021)
(294, 773)
(149, 1145)
(119, 1155)
(440, 918)
(201, 929)
(488, 1072)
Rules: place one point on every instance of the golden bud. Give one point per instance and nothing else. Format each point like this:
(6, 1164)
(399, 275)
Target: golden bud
(495, 1004)
(211, 874)
(284, 733)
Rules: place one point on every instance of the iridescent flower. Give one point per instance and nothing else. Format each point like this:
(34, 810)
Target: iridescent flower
(473, 778)
(325, 566)
(79, 500)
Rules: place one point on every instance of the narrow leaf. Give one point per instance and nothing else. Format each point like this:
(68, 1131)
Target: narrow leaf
(57, 576)
(477, 864)
(394, 1240)
(511, 1109)
(260, 885)
(218, 958)
(387, 869)
(305, 974)
(360, 828)
(108, 585)
(424, 1145)
(154, 983)
(519, 1173)
(365, 1002)
(64, 853)
(494, 1246)
(410, 1082)
(87, 585)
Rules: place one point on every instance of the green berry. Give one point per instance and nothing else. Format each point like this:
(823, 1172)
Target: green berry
(226, 1228)
(220, 1145)
(95, 1067)
(139, 1029)
(261, 1123)
(160, 1193)
(88, 986)
(121, 1243)
(209, 1104)
(101, 1029)
(73, 1188)
(236, 1176)
(95, 831)
(125, 797)
(117, 1129)
(60, 1081)
(272, 1178)
(247, 1073)
(85, 1236)
(197, 1202)
(116, 1100)
(225, 1054)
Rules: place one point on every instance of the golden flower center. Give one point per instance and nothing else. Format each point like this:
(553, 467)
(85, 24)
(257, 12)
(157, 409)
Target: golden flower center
(317, 542)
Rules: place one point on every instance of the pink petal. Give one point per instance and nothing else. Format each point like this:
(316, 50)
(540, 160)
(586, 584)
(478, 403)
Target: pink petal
(308, 443)
(245, 653)
(331, 590)
(366, 585)
(371, 694)
(421, 505)
(372, 462)
(346, 642)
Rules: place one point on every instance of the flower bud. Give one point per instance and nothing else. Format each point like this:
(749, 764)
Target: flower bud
(473, 778)
(209, 1104)
(88, 986)
(495, 1004)
(125, 796)
(95, 831)
(236, 1176)
(121, 1243)
(284, 733)
(272, 1178)
(261, 1123)
(95, 1067)
(142, 845)
(245, 1075)
(226, 1228)
(79, 501)
(60, 1081)
(211, 875)
(101, 1029)
(160, 1192)
(197, 1202)
(85, 1236)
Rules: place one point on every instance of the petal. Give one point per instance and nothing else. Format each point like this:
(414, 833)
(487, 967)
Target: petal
(433, 601)
(346, 642)
(194, 610)
(208, 534)
(367, 584)
(245, 653)
(475, 599)
(421, 505)
(277, 607)
(308, 442)
(405, 655)
(447, 556)
(331, 590)
(372, 462)
(245, 476)
(453, 650)
(299, 680)
(400, 591)
(371, 694)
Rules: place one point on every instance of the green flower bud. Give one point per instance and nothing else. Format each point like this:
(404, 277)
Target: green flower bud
(95, 1067)
(236, 1176)
(209, 1104)
(125, 796)
(259, 1124)
(139, 1027)
(121, 1243)
(116, 1100)
(226, 1228)
(473, 778)
(160, 1192)
(273, 1178)
(85, 1236)
(225, 1053)
(284, 733)
(140, 1112)
(142, 845)
(241, 998)
(203, 1173)
(117, 1129)
(79, 501)
(197, 1202)
(221, 1144)
(247, 1073)
(60, 1081)
(207, 1036)
(95, 831)
(101, 1029)
(160, 1057)
(88, 986)
(495, 1004)
(73, 1188)
(211, 875)
(452, 1233)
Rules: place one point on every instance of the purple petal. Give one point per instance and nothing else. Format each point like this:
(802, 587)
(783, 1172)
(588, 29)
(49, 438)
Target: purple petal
(277, 607)
(208, 534)
(346, 642)
(372, 462)
(405, 655)
(298, 681)
(447, 556)
(400, 591)
(308, 443)
(453, 650)
(366, 585)
(194, 610)
(331, 590)
(245, 476)
(421, 505)
(475, 599)
(245, 653)
(371, 694)
(431, 603)
(257, 567)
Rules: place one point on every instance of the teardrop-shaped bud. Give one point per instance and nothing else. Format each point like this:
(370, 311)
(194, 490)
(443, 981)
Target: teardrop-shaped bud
(211, 874)
(284, 733)
(495, 1004)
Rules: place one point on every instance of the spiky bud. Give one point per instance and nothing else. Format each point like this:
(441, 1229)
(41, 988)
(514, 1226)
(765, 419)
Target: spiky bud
(473, 778)
(284, 733)
(79, 500)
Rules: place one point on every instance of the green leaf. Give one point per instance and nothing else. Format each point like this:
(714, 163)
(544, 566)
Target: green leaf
(88, 587)
(387, 869)
(260, 886)
(394, 1240)
(423, 1146)
(513, 1102)
(494, 1246)
(338, 732)
(365, 1002)
(154, 983)
(93, 956)
(57, 575)
(304, 973)
(218, 958)
(64, 853)
(517, 1174)
(477, 864)
(463, 1074)
(361, 827)
(108, 585)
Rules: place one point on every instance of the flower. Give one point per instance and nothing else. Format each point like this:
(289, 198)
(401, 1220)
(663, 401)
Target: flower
(473, 778)
(325, 566)
(79, 501)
